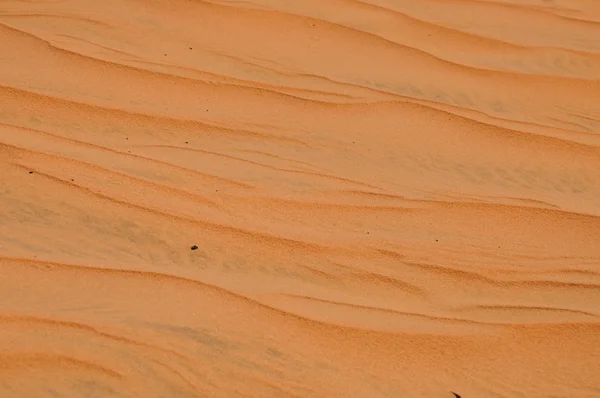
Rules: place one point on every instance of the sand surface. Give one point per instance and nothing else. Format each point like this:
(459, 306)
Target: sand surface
(389, 198)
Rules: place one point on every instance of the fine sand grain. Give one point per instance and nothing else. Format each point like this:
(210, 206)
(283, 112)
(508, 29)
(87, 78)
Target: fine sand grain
(311, 198)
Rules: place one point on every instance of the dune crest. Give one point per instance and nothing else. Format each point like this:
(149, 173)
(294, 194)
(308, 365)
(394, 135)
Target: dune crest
(384, 198)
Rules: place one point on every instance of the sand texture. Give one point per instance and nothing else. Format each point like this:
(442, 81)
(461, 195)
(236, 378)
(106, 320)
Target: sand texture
(388, 198)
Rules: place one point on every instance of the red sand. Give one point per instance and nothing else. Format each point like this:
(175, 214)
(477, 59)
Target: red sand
(389, 198)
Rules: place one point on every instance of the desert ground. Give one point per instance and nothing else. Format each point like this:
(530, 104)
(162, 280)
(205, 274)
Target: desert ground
(316, 198)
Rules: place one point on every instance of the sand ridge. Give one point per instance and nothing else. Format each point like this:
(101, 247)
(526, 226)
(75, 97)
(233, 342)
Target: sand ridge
(388, 198)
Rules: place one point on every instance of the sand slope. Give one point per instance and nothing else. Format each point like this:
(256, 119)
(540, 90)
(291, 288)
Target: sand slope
(390, 198)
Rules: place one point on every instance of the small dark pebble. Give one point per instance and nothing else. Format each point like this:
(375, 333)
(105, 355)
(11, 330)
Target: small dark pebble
(31, 172)
(186, 142)
(437, 240)
(194, 247)
(190, 48)
(455, 394)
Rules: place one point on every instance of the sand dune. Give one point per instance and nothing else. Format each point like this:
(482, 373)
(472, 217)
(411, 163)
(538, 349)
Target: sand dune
(388, 198)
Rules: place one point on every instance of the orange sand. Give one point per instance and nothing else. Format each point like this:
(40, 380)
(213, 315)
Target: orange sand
(390, 198)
